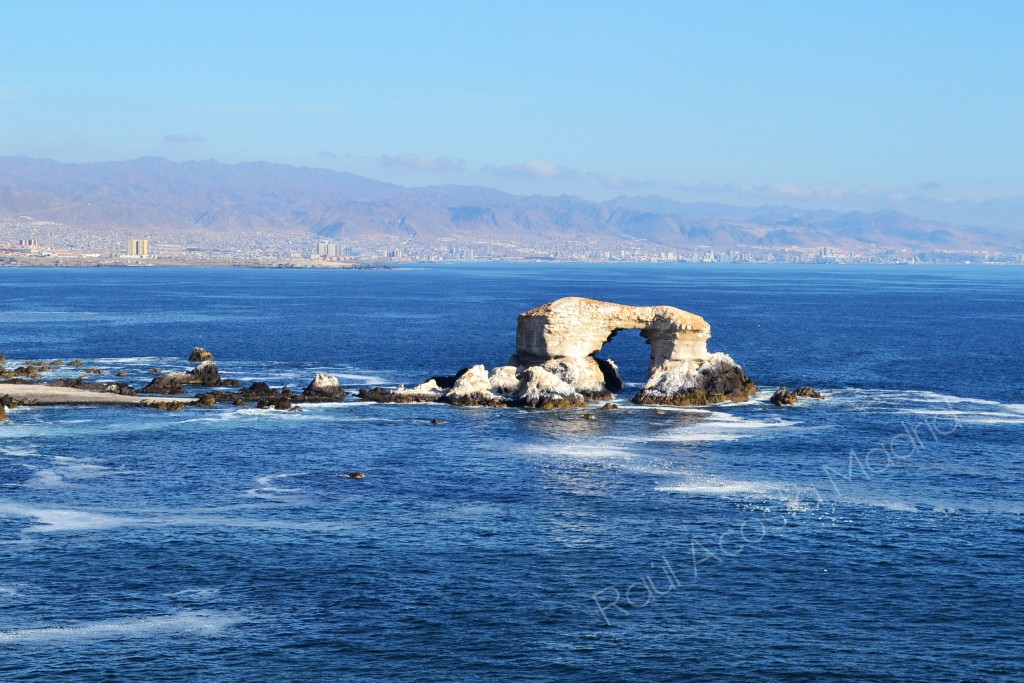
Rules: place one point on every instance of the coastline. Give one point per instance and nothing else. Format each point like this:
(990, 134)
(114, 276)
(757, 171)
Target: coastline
(44, 395)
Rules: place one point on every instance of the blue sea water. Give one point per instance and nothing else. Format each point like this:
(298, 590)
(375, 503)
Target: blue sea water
(873, 536)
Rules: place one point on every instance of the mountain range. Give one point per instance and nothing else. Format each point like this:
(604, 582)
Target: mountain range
(154, 194)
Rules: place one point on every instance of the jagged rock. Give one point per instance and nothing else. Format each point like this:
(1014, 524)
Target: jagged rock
(612, 378)
(400, 395)
(258, 389)
(783, 397)
(324, 387)
(437, 421)
(199, 354)
(539, 388)
(504, 380)
(206, 374)
(2, 359)
(694, 382)
(609, 406)
(3, 413)
(206, 400)
(807, 392)
(583, 374)
(164, 384)
(276, 402)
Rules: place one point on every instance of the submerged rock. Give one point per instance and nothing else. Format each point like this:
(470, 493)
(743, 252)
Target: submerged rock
(807, 392)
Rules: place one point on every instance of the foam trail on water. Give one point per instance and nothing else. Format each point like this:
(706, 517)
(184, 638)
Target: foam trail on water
(204, 623)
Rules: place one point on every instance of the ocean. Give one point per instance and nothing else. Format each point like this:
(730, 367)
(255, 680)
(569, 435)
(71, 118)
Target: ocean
(872, 536)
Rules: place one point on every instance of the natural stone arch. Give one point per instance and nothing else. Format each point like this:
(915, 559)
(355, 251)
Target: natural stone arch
(554, 365)
(574, 327)
(564, 335)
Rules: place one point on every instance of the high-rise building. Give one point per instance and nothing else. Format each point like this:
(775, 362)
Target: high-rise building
(139, 248)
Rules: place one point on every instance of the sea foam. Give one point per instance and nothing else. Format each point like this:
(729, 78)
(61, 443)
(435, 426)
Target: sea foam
(204, 623)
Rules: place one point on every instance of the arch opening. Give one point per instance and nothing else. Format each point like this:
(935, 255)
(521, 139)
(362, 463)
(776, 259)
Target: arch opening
(629, 353)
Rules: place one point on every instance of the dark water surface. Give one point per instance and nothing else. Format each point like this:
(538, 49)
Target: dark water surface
(873, 536)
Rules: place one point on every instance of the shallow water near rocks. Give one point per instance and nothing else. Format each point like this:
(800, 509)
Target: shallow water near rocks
(875, 535)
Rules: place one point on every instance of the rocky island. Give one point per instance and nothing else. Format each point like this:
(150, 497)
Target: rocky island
(555, 363)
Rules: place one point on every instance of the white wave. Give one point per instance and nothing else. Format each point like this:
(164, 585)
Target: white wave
(194, 593)
(19, 452)
(205, 623)
(578, 449)
(266, 491)
(52, 520)
(47, 479)
(57, 519)
(722, 427)
(711, 486)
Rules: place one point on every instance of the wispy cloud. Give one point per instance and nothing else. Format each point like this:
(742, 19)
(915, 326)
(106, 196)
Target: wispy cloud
(772, 192)
(184, 139)
(535, 168)
(616, 182)
(327, 154)
(418, 162)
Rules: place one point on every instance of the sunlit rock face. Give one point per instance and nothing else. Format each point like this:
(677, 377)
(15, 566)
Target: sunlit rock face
(555, 365)
(566, 333)
(573, 327)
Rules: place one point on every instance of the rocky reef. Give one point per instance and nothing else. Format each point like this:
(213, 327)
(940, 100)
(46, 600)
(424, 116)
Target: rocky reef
(205, 374)
(555, 365)
(784, 397)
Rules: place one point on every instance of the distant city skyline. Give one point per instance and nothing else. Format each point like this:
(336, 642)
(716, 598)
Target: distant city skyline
(838, 105)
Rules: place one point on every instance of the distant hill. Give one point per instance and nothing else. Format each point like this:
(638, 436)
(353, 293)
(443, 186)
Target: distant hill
(153, 194)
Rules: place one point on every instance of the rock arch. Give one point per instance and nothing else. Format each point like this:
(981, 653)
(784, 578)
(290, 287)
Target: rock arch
(574, 327)
(564, 335)
(554, 365)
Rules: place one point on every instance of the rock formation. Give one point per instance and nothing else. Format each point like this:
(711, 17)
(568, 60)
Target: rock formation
(199, 354)
(204, 374)
(784, 397)
(555, 365)
(324, 387)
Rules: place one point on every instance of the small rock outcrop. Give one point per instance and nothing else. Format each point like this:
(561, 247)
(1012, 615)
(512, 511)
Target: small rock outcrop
(205, 374)
(199, 355)
(555, 364)
(324, 387)
(784, 397)
(3, 413)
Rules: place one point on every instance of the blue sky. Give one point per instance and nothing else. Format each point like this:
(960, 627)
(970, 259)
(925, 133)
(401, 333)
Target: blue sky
(828, 103)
